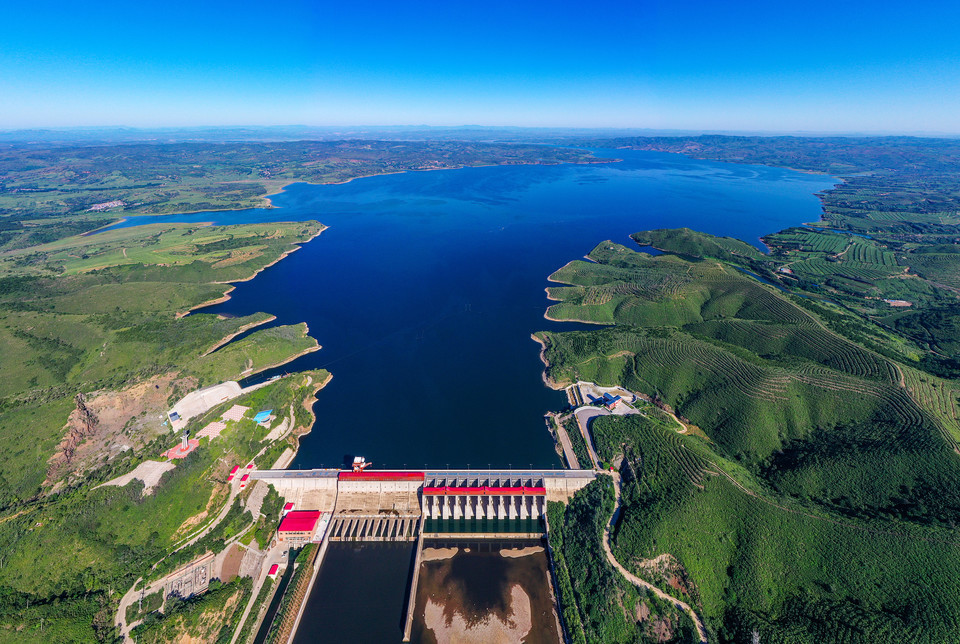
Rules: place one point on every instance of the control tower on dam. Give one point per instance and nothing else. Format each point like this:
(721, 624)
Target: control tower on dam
(400, 505)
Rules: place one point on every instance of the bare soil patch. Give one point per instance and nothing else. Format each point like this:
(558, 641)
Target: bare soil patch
(231, 564)
(105, 423)
(149, 472)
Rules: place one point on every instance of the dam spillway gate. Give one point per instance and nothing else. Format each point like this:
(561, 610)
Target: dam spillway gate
(373, 528)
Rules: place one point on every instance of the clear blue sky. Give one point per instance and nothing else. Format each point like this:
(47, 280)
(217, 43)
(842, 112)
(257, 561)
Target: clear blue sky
(771, 66)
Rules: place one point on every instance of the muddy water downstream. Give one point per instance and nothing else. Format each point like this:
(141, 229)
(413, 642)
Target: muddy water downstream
(484, 593)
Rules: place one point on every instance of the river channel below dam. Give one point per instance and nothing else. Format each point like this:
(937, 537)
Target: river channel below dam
(483, 592)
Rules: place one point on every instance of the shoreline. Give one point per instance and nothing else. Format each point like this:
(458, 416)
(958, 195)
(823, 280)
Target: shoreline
(219, 300)
(283, 188)
(266, 198)
(547, 380)
(296, 246)
(104, 227)
(226, 294)
(546, 315)
(313, 417)
(226, 339)
(283, 362)
(298, 432)
(550, 298)
(692, 155)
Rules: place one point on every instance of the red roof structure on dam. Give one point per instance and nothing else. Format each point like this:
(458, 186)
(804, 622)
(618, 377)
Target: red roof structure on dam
(381, 476)
(299, 521)
(485, 489)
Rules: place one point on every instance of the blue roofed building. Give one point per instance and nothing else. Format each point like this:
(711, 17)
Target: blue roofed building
(262, 416)
(610, 401)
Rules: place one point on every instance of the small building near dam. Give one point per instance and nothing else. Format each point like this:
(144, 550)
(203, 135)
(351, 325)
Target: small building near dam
(298, 527)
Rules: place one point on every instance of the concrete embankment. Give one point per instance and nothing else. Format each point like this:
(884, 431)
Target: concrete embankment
(412, 599)
(301, 598)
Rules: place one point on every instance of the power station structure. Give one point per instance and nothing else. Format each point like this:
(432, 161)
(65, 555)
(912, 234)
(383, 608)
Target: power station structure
(400, 505)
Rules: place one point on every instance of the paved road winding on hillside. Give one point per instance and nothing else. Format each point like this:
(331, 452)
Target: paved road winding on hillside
(584, 416)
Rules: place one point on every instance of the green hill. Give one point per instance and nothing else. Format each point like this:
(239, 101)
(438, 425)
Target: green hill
(830, 474)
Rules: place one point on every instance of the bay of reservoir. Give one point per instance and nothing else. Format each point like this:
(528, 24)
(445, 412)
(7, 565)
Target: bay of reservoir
(426, 286)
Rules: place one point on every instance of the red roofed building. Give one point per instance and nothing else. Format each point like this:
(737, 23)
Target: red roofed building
(298, 527)
(379, 482)
(273, 570)
(287, 507)
(381, 476)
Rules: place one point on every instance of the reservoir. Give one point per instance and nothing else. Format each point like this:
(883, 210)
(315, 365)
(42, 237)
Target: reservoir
(423, 293)
(425, 288)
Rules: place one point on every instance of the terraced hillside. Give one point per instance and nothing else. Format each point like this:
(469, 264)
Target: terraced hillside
(755, 561)
(831, 472)
(898, 288)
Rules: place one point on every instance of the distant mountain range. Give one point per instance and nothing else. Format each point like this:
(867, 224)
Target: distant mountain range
(114, 135)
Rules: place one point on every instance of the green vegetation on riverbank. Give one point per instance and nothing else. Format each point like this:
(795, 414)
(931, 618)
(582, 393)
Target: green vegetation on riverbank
(113, 334)
(599, 605)
(823, 503)
(887, 247)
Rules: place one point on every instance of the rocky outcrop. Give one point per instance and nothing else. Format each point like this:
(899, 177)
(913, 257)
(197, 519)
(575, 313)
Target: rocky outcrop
(81, 425)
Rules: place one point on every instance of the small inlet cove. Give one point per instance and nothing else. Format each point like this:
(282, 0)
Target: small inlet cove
(423, 293)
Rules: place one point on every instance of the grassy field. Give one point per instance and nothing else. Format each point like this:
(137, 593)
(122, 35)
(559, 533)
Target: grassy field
(109, 326)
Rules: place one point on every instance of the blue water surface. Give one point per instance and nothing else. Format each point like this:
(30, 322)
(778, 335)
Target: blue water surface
(426, 287)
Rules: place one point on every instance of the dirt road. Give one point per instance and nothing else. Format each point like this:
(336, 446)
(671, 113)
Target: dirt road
(636, 581)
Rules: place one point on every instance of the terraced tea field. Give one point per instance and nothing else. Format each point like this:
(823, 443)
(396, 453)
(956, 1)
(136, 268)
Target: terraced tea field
(824, 459)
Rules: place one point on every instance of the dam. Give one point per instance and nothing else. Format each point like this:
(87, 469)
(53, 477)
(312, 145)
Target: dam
(413, 505)
(402, 505)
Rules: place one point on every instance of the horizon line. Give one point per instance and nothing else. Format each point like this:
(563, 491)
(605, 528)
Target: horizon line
(651, 131)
